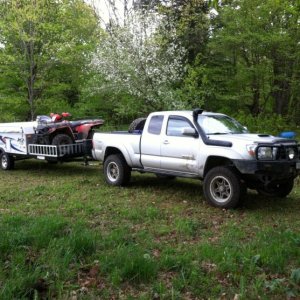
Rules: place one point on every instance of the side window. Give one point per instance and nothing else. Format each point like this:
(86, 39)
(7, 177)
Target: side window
(155, 124)
(176, 124)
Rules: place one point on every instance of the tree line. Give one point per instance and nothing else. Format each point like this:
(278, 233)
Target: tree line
(236, 56)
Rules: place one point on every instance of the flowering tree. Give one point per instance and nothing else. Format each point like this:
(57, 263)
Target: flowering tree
(134, 60)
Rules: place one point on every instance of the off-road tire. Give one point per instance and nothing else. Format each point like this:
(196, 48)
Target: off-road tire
(222, 187)
(7, 161)
(137, 124)
(116, 170)
(280, 190)
(62, 139)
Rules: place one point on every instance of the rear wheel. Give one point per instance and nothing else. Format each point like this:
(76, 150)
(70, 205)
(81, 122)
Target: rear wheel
(280, 190)
(222, 187)
(116, 170)
(7, 161)
(62, 139)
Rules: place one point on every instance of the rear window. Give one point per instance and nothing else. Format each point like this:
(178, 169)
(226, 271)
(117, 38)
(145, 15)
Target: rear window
(155, 124)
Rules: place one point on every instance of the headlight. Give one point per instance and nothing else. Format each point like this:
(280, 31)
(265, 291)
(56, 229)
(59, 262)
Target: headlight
(266, 153)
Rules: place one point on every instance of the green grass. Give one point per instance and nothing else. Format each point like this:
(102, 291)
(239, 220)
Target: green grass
(65, 234)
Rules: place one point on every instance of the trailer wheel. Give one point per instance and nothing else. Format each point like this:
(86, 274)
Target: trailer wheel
(116, 170)
(62, 139)
(137, 124)
(7, 162)
(222, 187)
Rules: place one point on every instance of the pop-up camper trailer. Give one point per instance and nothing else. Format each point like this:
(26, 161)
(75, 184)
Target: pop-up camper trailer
(52, 139)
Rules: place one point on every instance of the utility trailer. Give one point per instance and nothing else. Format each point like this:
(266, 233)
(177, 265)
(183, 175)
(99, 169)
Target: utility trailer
(19, 141)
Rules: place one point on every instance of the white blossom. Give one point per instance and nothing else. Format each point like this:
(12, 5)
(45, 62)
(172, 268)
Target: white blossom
(134, 60)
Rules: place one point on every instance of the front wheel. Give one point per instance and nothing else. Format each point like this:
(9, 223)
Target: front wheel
(7, 162)
(62, 139)
(280, 190)
(222, 187)
(116, 170)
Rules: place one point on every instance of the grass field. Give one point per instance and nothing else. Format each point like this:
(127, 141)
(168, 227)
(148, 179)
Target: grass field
(65, 234)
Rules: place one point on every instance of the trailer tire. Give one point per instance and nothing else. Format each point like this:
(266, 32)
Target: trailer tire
(7, 162)
(62, 139)
(137, 124)
(222, 187)
(116, 170)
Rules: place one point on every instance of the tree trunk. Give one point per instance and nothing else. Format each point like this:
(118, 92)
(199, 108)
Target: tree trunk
(32, 71)
(255, 107)
(281, 85)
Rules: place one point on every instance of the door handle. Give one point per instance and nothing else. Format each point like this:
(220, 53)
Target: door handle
(187, 156)
(166, 142)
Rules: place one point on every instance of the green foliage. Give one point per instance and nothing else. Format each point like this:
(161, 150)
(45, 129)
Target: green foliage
(242, 56)
(190, 18)
(270, 124)
(46, 47)
(252, 59)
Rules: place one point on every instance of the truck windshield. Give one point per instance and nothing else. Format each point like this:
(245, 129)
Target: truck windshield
(220, 124)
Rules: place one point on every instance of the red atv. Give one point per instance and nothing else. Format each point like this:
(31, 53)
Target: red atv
(56, 130)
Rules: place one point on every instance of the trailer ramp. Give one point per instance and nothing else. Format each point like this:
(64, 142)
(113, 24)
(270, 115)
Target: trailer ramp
(59, 151)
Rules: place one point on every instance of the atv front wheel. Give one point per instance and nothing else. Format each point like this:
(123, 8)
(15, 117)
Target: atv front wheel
(62, 139)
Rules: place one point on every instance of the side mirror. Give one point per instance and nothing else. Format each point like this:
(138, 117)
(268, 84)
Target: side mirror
(188, 131)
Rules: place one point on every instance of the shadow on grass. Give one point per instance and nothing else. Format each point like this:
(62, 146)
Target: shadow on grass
(190, 189)
(35, 167)
(193, 189)
(182, 188)
(253, 201)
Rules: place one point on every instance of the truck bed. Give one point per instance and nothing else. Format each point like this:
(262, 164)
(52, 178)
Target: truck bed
(130, 142)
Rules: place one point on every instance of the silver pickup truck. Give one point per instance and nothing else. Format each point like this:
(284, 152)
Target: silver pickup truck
(209, 146)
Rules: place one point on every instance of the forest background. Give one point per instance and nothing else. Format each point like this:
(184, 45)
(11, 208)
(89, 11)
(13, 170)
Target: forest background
(239, 57)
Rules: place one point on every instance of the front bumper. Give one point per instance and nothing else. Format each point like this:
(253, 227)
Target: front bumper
(278, 169)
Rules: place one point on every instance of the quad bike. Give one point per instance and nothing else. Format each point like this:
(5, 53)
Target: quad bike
(56, 130)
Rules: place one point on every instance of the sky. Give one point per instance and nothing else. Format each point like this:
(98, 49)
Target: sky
(105, 9)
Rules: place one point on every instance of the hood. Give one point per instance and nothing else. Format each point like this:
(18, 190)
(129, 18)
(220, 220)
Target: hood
(248, 138)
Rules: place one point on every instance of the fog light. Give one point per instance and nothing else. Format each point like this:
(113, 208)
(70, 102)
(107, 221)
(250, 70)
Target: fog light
(291, 153)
